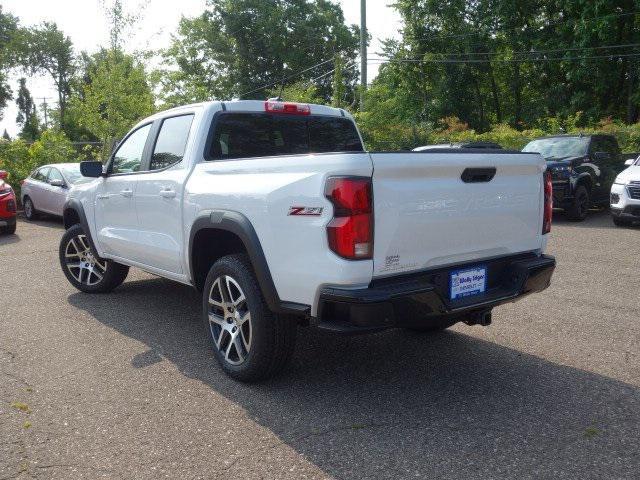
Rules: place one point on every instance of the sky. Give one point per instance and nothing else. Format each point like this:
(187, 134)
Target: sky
(84, 22)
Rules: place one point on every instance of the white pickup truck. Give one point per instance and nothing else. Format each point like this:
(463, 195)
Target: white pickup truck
(278, 215)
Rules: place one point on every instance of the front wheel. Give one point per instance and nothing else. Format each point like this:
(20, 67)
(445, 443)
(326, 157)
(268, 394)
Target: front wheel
(249, 341)
(85, 271)
(620, 222)
(579, 207)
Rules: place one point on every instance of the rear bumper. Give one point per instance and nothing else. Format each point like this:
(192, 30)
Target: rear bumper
(418, 299)
(7, 222)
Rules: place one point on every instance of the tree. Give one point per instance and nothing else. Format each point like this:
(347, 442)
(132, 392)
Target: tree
(114, 95)
(245, 48)
(6, 136)
(27, 117)
(8, 50)
(48, 50)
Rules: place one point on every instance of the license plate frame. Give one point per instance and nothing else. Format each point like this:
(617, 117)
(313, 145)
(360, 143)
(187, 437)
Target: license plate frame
(467, 282)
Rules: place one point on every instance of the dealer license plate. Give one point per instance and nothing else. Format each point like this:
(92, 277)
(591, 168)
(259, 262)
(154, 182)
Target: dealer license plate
(465, 283)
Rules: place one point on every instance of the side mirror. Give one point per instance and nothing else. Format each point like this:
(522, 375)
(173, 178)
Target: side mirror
(602, 156)
(57, 183)
(91, 168)
(3, 174)
(629, 162)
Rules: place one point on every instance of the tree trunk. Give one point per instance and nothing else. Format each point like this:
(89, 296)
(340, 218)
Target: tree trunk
(494, 94)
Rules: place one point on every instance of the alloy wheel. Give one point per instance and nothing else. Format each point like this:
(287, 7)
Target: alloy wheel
(230, 320)
(28, 208)
(81, 263)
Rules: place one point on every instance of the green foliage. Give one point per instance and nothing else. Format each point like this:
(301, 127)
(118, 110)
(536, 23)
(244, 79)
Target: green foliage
(243, 48)
(297, 92)
(8, 53)
(19, 158)
(27, 117)
(48, 50)
(113, 96)
(402, 136)
(504, 61)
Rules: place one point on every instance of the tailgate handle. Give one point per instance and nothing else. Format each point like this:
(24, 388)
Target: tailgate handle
(478, 175)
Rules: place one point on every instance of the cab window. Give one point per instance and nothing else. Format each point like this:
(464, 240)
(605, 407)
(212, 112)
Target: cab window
(172, 142)
(128, 156)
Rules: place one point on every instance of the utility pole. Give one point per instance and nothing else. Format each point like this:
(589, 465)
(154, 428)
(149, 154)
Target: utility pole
(46, 111)
(363, 52)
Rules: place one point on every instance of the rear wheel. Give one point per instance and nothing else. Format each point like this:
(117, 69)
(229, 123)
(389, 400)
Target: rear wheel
(83, 269)
(30, 211)
(249, 341)
(577, 212)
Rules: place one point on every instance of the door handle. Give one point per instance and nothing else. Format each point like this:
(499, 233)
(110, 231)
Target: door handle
(126, 193)
(168, 193)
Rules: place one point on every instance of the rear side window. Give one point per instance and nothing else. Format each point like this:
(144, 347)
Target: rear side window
(246, 135)
(171, 142)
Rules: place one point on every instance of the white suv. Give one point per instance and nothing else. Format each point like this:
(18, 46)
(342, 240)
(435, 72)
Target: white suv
(625, 195)
(280, 217)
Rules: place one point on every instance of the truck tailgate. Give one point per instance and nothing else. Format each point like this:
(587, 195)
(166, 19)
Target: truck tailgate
(427, 216)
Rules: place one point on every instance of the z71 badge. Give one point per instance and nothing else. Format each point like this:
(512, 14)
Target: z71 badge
(306, 211)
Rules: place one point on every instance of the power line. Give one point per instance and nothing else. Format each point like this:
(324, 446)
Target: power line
(550, 24)
(502, 60)
(524, 52)
(285, 79)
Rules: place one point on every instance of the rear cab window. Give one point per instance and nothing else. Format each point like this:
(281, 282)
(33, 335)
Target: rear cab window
(250, 135)
(171, 142)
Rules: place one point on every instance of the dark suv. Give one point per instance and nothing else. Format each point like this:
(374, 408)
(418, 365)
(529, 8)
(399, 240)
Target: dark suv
(583, 168)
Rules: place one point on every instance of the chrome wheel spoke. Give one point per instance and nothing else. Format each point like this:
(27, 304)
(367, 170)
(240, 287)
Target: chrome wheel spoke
(82, 264)
(229, 320)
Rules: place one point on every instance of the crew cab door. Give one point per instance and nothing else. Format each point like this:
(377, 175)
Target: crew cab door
(159, 194)
(116, 220)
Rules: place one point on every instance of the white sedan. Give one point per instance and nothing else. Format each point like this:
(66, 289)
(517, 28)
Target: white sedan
(45, 190)
(625, 195)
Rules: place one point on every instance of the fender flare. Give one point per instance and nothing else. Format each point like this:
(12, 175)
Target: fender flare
(75, 205)
(580, 179)
(239, 225)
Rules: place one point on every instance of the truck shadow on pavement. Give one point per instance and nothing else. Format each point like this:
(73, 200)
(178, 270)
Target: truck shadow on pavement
(398, 405)
(595, 219)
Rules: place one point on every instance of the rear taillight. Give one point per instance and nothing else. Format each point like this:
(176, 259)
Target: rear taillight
(287, 108)
(350, 232)
(548, 203)
(11, 206)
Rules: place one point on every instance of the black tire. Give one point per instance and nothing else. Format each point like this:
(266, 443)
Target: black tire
(30, 211)
(433, 327)
(580, 205)
(85, 271)
(270, 338)
(9, 229)
(621, 222)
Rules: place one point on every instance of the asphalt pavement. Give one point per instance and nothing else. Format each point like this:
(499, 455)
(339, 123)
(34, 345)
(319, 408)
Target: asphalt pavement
(124, 385)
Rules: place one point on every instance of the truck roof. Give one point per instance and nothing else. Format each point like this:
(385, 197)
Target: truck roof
(575, 135)
(254, 106)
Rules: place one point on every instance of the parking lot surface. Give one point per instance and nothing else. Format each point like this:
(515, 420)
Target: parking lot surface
(124, 385)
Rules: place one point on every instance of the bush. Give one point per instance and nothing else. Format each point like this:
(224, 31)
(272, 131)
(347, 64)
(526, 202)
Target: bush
(380, 135)
(20, 159)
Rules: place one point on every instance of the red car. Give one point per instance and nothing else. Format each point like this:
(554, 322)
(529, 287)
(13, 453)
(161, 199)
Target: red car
(7, 206)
